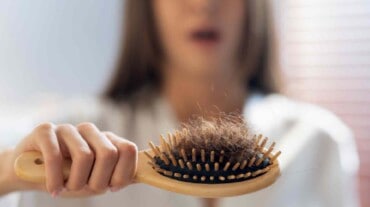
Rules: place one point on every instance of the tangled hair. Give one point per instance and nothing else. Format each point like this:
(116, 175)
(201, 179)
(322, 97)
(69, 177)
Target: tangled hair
(218, 150)
(228, 133)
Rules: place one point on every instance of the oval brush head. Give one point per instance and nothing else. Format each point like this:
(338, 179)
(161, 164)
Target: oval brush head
(222, 150)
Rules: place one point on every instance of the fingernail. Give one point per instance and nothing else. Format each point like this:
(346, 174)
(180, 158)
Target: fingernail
(114, 189)
(56, 193)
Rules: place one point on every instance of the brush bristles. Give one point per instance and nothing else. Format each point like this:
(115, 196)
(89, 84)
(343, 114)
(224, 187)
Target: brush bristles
(218, 151)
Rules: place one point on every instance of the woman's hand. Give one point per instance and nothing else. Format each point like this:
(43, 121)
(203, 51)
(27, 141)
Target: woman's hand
(100, 160)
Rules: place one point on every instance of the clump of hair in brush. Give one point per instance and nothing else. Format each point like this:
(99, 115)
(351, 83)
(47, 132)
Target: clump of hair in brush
(220, 150)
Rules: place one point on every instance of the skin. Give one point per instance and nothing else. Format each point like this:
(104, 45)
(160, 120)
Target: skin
(101, 160)
(207, 76)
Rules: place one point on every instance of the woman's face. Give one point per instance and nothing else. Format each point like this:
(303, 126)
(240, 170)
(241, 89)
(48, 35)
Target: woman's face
(200, 37)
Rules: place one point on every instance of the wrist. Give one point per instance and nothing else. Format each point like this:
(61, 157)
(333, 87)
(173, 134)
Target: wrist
(8, 181)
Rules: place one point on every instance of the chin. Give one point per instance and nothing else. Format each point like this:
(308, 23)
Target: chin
(203, 71)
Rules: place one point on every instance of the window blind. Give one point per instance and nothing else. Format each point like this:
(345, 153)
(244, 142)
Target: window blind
(325, 56)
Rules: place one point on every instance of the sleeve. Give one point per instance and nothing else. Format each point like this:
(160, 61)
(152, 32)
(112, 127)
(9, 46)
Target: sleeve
(339, 170)
(319, 160)
(339, 160)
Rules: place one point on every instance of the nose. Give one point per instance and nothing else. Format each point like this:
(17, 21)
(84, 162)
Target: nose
(204, 7)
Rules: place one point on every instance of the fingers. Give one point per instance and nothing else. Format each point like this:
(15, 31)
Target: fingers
(125, 168)
(81, 154)
(106, 156)
(99, 160)
(47, 141)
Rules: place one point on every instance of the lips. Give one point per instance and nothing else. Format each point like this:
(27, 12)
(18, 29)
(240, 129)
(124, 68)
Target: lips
(206, 36)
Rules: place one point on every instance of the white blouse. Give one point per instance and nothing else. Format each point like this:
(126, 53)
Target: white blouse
(319, 161)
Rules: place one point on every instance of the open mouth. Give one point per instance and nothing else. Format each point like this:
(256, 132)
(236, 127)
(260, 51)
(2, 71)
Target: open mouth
(209, 36)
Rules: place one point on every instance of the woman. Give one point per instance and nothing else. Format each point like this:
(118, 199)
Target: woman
(180, 58)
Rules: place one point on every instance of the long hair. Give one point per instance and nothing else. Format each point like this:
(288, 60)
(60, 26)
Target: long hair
(140, 56)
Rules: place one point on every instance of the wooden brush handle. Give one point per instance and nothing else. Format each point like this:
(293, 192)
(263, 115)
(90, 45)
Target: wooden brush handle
(30, 166)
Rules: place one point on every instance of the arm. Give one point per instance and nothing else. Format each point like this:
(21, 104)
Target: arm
(6, 179)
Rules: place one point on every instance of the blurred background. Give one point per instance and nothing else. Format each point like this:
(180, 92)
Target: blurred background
(75, 43)
(324, 52)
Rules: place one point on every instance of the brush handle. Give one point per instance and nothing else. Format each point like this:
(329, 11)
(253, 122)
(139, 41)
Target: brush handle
(30, 166)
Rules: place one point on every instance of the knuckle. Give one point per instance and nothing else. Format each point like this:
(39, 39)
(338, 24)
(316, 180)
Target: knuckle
(85, 155)
(109, 153)
(86, 126)
(45, 127)
(108, 133)
(44, 132)
(66, 127)
(129, 148)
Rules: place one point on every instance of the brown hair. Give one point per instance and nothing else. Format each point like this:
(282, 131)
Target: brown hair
(141, 52)
(227, 132)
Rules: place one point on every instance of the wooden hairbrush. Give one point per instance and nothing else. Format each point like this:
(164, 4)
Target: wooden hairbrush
(209, 159)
